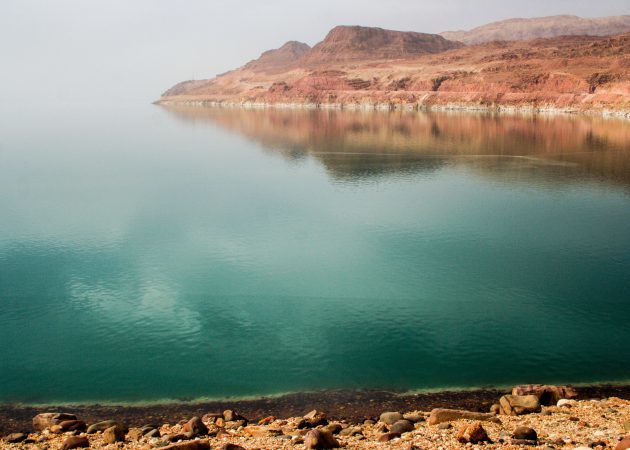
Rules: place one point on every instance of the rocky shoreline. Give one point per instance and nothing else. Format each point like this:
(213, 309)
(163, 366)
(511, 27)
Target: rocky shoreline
(462, 106)
(540, 416)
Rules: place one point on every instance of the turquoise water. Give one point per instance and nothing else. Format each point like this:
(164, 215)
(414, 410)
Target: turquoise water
(149, 253)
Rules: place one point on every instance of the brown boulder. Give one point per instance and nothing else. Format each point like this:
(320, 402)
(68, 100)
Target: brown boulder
(46, 420)
(547, 394)
(440, 415)
(195, 427)
(75, 442)
(624, 444)
(515, 405)
(474, 434)
(114, 434)
(320, 439)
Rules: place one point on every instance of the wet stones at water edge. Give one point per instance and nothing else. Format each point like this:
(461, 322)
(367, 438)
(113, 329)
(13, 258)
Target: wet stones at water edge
(547, 394)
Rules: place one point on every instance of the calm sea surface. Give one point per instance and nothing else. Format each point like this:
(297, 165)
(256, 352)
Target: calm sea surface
(149, 253)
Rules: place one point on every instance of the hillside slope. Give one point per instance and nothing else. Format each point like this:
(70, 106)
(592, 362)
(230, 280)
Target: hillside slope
(541, 27)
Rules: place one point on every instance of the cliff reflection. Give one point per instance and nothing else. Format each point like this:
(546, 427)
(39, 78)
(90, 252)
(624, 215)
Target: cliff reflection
(360, 145)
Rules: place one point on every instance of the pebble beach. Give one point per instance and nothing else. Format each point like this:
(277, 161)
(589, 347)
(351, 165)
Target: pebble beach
(528, 416)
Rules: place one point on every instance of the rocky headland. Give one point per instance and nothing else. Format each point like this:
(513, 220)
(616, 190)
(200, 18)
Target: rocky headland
(576, 65)
(528, 416)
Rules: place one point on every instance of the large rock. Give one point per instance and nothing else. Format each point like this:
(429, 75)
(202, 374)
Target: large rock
(190, 445)
(440, 415)
(624, 444)
(104, 425)
(114, 434)
(75, 442)
(46, 420)
(402, 426)
(547, 394)
(391, 417)
(474, 434)
(195, 427)
(515, 405)
(320, 439)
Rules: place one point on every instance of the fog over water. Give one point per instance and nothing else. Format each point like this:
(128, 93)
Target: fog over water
(115, 50)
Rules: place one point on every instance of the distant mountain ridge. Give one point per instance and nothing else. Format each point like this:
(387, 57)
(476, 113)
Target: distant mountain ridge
(541, 27)
(367, 67)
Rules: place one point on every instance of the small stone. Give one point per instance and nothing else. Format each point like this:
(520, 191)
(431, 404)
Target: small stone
(15, 438)
(444, 426)
(624, 444)
(415, 418)
(386, 437)
(525, 433)
(391, 417)
(333, 428)
(104, 425)
(73, 425)
(267, 420)
(495, 408)
(135, 434)
(472, 433)
(211, 417)
(320, 439)
(351, 431)
(402, 426)
(114, 434)
(195, 427)
(75, 442)
(155, 433)
(566, 403)
(368, 422)
(190, 445)
(594, 444)
(229, 415)
(229, 446)
(523, 442)
(316, 418)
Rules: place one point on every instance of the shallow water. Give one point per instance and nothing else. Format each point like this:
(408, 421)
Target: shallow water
(150, 253)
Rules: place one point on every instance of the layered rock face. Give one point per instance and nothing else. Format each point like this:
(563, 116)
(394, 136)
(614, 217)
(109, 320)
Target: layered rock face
(541, 27)
(372, 67)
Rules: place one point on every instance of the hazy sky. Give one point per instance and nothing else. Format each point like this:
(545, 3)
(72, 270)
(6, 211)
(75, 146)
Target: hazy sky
(80, 50)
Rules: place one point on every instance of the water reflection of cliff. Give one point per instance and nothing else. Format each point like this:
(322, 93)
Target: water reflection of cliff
(356, 144)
